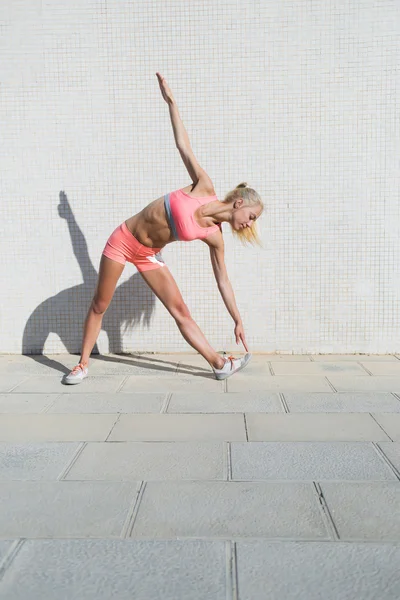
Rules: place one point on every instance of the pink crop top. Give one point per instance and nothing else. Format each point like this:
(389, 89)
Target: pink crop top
(180, 209)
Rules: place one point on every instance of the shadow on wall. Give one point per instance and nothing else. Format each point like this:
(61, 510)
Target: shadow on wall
(65, 313)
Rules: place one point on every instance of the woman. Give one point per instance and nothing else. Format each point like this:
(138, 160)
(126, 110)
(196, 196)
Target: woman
(190, 213)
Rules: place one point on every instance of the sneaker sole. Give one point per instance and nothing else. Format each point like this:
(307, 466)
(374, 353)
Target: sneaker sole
(74, 381)
(226, 375)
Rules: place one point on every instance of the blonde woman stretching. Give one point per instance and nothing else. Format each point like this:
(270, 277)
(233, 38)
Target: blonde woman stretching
(190, 213)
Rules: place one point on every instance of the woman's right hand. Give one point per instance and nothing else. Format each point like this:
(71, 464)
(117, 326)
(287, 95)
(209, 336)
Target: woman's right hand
(166, 92)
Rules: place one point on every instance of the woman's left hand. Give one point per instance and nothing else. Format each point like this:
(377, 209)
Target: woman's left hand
(239, 334)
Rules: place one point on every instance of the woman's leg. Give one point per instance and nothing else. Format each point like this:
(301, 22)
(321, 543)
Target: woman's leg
(164, 286)
(109, 273)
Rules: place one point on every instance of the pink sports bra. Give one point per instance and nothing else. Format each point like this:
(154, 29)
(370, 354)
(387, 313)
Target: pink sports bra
(180, 208)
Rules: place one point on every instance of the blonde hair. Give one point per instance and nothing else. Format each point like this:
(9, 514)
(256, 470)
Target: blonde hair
(247, 235)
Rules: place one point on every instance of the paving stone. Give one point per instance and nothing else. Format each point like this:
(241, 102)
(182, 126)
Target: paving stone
(50, 383)
(198, 402)
(5, 546)
(167, 427)
(355, 357)
(34, 462)
(278, 383)
(307, 460)
(390, 423)
(10, 382)
(342, 402)
(364, 510)
(185, 383)
(391, 368)
(356, 383)
(318, 368)
(25, 365)
(151, 366)
(315, 570)
(109, 403)
(25, 403)
(392, 452)
(64, 508)
(123, 569)
(132, 461)
(229, 509)
(55, 428)
(310, 427)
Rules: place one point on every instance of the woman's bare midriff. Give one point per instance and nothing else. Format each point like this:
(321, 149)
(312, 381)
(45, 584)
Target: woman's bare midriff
(150, 226)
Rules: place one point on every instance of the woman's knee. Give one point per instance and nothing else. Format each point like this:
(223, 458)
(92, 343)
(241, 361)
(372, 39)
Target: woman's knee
(99, 305)
(180, 312)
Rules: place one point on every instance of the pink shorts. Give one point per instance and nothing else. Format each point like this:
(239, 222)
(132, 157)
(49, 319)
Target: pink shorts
(122, 246)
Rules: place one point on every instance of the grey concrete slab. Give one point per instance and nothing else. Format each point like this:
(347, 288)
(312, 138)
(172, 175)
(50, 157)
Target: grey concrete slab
(167, 427)
(121, 569)
(318, 427)
(383, 368)
(390, 423)
(34, 462)
(151, 366)
(46, 384)
(229, 509)
(186, 383)
(392, 452)
(342, 402)
(278, 383)
(64, 508)
(364, 510)
(307, 460)
(5, 546)
(133, 461)
(356, 383)
(316, 570)
(198, 402)
(145, 402)
(318, 368)
(354, 357)
(25, 403)
(55, 428)
(11, 381)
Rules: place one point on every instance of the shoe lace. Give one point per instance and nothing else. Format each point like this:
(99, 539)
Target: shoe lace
(76, 369)
(231, 358)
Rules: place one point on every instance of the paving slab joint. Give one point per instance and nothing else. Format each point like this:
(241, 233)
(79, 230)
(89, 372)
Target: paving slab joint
(330, 384)
(363, 367)
(113, 426)
(383, 456)
(385, 432)
(133, 511)
(231, 571)
(10, 556)
(166, 402)
(50, 404)
(228, 463)
(283, 402)
(73, 460)
(326, 515)
(397, 396)
(245, 427)
(121, 385)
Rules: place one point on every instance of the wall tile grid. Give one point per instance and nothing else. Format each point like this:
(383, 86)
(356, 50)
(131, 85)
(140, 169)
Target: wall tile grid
(299, 99)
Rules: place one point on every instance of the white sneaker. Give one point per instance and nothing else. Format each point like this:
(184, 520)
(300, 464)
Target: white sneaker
(77, 374)
(231, 366)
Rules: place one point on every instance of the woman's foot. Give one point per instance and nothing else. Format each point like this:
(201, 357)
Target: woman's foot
(77, 374)
(232, 365)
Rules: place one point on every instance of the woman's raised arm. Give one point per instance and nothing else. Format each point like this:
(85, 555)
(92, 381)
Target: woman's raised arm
(180, 133)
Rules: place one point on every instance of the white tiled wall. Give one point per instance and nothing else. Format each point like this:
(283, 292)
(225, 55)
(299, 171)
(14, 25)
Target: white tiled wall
(300, 99)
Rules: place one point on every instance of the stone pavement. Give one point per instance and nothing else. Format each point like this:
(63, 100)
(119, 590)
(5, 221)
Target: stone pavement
(151, 479)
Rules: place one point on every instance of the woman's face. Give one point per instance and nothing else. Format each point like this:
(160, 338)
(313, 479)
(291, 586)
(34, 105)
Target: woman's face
(245, 216)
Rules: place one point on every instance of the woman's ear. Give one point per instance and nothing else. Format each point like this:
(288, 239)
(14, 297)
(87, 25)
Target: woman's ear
(238, 203)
